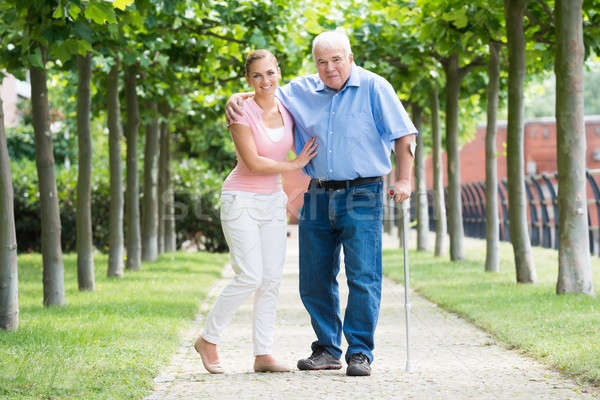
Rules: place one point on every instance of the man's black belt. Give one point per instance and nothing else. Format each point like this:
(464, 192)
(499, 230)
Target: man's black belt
(335, 185)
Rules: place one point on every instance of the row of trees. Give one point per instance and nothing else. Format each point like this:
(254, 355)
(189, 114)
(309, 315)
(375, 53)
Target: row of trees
(472, 50)
(180, 59)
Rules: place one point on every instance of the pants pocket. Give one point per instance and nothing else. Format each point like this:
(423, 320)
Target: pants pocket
(230, 209)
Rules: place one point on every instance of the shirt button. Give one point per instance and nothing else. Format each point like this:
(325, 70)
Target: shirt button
(333, 112)
(330, 151)
(331, 132)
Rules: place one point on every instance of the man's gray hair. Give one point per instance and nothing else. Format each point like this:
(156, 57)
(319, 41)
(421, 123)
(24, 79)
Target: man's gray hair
(332, 40)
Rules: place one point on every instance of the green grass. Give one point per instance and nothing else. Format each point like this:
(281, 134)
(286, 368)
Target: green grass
(106, 344)
(563, 331)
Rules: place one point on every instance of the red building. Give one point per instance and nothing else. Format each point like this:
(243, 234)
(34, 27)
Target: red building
(540, 158)
(539, 150)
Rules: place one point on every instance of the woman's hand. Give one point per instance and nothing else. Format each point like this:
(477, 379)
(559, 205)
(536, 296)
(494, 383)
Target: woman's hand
(309, 151)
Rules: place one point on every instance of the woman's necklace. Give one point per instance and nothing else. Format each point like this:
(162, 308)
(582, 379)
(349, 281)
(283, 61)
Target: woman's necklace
(272, 110)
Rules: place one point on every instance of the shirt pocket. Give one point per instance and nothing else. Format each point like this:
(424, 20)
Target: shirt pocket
(359, 123)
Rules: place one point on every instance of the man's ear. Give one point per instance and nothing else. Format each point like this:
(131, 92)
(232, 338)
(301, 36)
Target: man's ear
(351, 58)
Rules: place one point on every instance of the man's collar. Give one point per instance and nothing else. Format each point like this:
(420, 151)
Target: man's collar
(353, 79)
(320, 85)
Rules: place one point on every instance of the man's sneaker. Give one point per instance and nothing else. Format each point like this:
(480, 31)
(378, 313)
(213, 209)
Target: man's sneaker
(358, 365)
(318, 360)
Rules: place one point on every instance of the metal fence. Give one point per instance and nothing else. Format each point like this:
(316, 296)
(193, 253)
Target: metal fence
(542, 209)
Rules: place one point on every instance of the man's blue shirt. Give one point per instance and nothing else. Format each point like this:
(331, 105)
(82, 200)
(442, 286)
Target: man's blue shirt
(355, 127)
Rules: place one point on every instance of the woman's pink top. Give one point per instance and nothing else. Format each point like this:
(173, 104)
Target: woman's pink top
(241, 178)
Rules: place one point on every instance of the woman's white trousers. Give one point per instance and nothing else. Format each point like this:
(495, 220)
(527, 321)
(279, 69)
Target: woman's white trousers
(254, 226)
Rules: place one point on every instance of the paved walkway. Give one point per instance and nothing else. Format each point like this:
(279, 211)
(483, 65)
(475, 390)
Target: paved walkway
(451, 359)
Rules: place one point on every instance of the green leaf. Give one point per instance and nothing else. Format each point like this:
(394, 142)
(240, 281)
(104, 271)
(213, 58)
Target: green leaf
(83, 47)
(95, 13)
(312, 25)
(133, 18)
(461, 21)
(258, 39)
(121, 4)
(144, 62)
(74, 11)
(58, 13)
(113, 29)
(458, 18)
(100, 13)
(83, 31)
(61, 52)
(35, 58)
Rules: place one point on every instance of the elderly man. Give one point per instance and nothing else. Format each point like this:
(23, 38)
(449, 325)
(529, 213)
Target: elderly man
(357, 118)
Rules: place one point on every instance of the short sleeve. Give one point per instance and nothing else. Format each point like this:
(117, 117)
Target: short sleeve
(390, 116)
(285, 94)
(240, 119)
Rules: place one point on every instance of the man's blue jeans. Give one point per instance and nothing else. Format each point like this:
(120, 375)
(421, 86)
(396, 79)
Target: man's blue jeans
(351, 219)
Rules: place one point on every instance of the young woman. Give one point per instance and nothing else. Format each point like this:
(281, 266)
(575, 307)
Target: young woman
(253, 214)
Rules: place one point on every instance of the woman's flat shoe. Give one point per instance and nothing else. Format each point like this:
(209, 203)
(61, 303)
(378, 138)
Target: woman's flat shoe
(270, 367)
(214, 368)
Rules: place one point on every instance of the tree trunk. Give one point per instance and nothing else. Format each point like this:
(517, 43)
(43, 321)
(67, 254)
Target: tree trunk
(420, 183)
(574, 269)
(161, 189)
(455, 222)
(517, 213)
(115, 251)
(439, 204)
(85, 248)
(150, 202)
(165, 201)
(53, 268)
(9, 278)
(491, 170)
(160, 240)
(169, 215)
(132, 201)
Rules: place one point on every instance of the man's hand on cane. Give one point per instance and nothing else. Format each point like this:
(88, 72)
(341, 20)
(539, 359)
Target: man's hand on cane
(401, 191)
(404, 148)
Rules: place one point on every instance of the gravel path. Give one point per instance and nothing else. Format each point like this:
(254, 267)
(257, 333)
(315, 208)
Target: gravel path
(451, 359)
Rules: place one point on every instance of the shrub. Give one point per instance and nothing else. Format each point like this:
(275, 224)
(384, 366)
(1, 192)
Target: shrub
(196, 190)
(21, 144)
(27, 206)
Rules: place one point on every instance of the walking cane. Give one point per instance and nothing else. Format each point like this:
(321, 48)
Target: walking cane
(405, 219)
